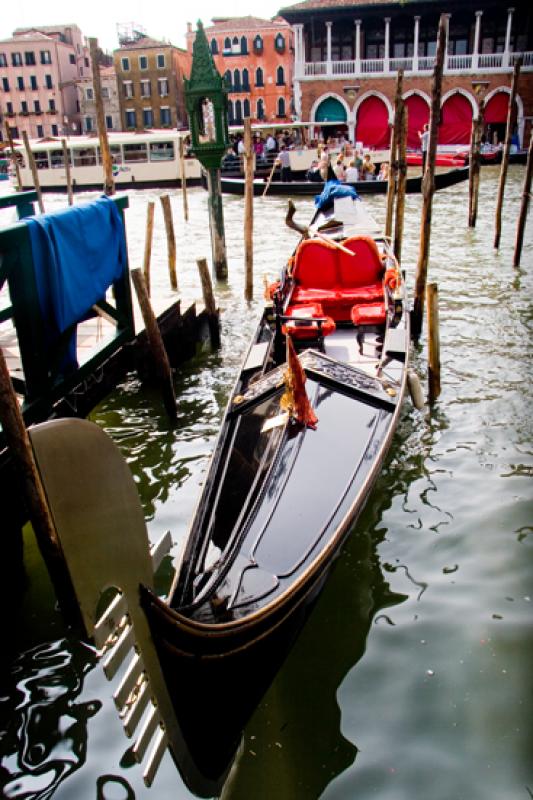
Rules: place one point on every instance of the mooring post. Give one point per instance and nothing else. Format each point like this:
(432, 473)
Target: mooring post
(21, 452)
(428, 183)
(183, 181)
(209, 302)
(393, 164)
(475, 166)
(402, 182)
(34, 174)
(248, 211)
(216, 224)
(14, 159)
(162, 364)
(506, 151)
(433, 341)
(171, 241)
(107, 163)
(66, 161)
(524, 205)
(148, 245)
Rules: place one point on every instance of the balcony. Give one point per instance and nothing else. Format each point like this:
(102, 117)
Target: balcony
(423, 65)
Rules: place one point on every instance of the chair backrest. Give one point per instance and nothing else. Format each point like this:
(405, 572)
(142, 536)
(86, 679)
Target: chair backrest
(315, 265)
(362, 269)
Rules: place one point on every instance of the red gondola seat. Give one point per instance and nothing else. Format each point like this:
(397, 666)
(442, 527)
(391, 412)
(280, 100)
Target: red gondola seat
(308, 322)
(369, 314)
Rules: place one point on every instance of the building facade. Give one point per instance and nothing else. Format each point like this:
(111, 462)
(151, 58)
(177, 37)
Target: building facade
(110, 101)
(347, 55)
(256, 57)
(150, 83)
(39, 68)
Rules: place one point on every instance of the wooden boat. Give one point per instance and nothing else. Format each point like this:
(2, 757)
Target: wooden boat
(305, 188)
(283, 491)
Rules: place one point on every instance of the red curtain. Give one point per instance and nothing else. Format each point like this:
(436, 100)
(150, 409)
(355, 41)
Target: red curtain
(372, 126)
(496, 108)
(456, 120)
(417, 116)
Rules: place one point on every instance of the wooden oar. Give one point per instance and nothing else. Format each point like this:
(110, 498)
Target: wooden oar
(274, 165)
(308, 232)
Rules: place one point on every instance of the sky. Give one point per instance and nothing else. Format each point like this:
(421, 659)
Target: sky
(99, 18)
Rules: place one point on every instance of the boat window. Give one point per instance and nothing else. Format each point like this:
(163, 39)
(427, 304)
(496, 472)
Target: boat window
(116, 153)
(56, 159)
(135, 152)
(162, 151)
(41, 159)
(84, 157)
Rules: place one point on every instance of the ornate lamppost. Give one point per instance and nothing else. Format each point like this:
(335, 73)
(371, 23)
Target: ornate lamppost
(206, 98)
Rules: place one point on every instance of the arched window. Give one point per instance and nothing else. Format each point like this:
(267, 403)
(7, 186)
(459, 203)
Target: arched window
(259, 77)
(279, 43)
(227, 78)
(258, 44)
(231, 115)
(281, 106)
(235, 47)
(260, 109)
(236, 80)
(246, 107)
(280, 76)
(238, 112)
(227, 44)
(244, 46)
(245, 81)
(214, 46)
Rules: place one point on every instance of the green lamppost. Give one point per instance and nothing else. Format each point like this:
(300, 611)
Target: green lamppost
(206, 98)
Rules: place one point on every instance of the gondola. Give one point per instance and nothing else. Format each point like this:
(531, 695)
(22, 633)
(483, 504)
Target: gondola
(307, 427)
(303, 188)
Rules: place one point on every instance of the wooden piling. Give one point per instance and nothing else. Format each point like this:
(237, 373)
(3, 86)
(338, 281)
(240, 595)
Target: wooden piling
(162, 365)
(107, 163)
(402, 182)
(14, 159)
(21, 452)
(216, 224)
(183, 181)
(34, 174)
(524, 205)
(475, 165)
(66, 161)
(209, 302)
(433, 341)
(148, 245)
(171, 241)
(393, 162)
(428, 183)
(505, 154)
(248, 211)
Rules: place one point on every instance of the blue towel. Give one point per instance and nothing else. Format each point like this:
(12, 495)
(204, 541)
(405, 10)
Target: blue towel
(78, 253)
(331, 190)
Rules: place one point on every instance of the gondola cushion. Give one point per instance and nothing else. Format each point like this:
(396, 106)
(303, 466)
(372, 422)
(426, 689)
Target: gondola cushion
(369, 314)
(305, 328)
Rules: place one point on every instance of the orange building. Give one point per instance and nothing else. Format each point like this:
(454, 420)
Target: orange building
(256, 57)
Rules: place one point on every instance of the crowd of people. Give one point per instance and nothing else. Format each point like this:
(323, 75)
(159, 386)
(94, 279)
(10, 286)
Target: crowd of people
(347, 169)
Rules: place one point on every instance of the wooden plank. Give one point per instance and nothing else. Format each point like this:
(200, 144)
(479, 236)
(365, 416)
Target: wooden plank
(154, 759)
(116, 657)
(128, 682)
(109, 621)
(133, 717)
(146, 734)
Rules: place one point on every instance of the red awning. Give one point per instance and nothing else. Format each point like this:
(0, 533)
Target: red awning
(372, 124)
(456, 116)
(417, 116)
(496, 108)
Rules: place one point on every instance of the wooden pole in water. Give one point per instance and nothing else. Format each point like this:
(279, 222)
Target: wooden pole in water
(216, 224)
(66, 161)
(428, 184)
(209, 302)
(475, 165)
(402, 182)
(148, 245)
(171, 241)
(433, 341)
(14, 157)
(21, 452)
(524, 206)
(109, 183)
(162, 364)
(248, 211)
(183, 181)
(393, 164)
(33, 167)
(506, 151)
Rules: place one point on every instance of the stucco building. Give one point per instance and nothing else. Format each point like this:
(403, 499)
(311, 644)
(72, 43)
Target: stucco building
(256, 57)
(110, 101)
(39, 67)
(347, 53)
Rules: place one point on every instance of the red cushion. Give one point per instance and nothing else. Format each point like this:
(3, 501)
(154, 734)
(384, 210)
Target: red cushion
(301, 295)
(361, 294)
(308, 330)
(315, 265)
(363, 268)
(369, 314)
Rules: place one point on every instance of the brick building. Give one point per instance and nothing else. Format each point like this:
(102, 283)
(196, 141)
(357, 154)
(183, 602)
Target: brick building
(39, 67)
(256, 57)
(110, 101)
(347, 54)
(150, 83)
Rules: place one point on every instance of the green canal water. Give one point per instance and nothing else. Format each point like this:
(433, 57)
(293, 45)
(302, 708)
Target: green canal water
(413, 679)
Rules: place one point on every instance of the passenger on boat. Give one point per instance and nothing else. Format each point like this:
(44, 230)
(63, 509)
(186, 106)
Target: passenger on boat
(338, 169)
(313, 173)
(284, 159)
(271, 146)
(368, 169)
(352, 173)
(383, 174)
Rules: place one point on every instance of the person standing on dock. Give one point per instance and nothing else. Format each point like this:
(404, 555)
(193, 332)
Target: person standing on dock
(424, 142)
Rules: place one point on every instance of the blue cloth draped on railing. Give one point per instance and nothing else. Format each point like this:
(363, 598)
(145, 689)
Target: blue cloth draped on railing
(331, 190)
(78, 253)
